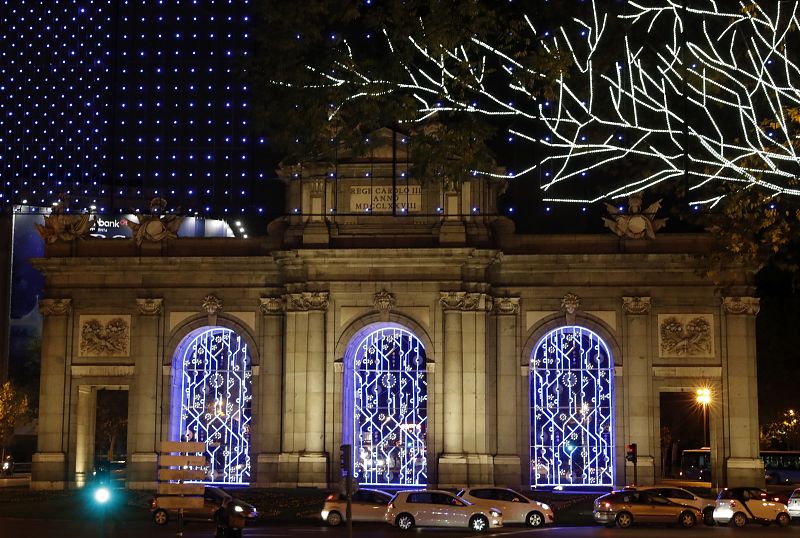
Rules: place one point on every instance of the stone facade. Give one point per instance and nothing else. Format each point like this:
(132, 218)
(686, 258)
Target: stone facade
(478, 344)
(477, 296)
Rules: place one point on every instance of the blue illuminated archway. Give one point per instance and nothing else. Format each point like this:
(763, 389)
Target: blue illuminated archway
(386, 396)
(572, 415)
(211, 401)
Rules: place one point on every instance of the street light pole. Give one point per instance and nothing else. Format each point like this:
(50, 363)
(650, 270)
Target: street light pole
(703, 399)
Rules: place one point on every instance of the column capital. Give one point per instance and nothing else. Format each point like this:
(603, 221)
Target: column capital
(465, 301)
(55, 307)
(636, 305)
(741, 305)
(271, 305)
(149, 306)
(306, 301)
(504, 306)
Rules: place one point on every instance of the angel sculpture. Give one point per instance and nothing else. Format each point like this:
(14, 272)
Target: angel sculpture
(636, 223)
(59, 226)
(156, 226)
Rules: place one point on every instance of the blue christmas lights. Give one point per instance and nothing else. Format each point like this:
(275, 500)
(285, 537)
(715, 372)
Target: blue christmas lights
(110, 101)
(390, 394)
(572, 412)
(211, 401)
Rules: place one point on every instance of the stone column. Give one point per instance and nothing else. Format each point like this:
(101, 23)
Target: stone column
(267, 409)
(638, 387)
(49, 463)
(743, 466)
(143, 417)
(507, 460)
(305, 388)
(452, 463)
(85, 432)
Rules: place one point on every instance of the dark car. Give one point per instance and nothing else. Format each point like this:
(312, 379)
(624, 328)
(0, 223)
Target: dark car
(627, 507)
(216, 503)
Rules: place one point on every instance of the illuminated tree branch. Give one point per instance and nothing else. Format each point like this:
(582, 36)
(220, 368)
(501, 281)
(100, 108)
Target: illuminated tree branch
(710, 106)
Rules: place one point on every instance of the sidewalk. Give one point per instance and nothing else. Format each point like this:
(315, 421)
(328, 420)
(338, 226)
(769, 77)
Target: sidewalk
(17, 480)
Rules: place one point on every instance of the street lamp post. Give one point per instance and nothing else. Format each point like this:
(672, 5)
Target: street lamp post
(703, 399)
(101, 496)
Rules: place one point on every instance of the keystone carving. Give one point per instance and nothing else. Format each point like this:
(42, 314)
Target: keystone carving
(384, 301)
(212, 304)
(571, 303)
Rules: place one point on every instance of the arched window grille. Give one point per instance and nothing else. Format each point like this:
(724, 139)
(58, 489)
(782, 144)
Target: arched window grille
(386, 384)
(211, 401)
(572, 415)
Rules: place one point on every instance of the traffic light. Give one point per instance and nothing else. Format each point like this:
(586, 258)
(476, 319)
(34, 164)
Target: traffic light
(630, 452)
(346, 458)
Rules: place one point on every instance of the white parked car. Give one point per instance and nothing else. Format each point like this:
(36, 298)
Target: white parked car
(684, 496)
(740, 506)
(516, 507)
(794, 504)
(434, 508)
(365, 505)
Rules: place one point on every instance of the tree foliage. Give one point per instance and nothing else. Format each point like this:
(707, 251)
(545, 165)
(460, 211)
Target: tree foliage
(782, 434)
(13, 406)
(329, 73)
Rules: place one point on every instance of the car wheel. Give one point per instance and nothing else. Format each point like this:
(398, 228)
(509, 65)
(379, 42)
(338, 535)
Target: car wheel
(783, 519)
(687, 519)
(160, 517)
(334, 519)
(478, 523)
(739, 519)
(624, 520)
(708, 517)
(405, 522)
(534, 519)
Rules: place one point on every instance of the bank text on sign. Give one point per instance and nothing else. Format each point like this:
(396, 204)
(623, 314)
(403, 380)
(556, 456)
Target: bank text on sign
(379, 199)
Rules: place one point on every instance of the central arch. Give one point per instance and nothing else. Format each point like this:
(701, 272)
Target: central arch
(572, 415)
(385, 395)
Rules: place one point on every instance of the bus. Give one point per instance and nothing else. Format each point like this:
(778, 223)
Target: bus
(780, 466)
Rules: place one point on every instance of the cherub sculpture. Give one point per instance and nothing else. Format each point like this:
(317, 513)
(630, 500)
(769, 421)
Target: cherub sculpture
(60, 226)
(156, 226)
(636, 223)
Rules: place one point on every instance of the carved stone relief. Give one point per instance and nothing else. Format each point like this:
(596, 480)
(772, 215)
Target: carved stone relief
(636, 305)
(55, 307)
(270, 305)
(570, 304)
(741, 305)
(506, 305)
(149, 307)
(384, 301)
(685, 335)
(465, 301)
(104, 336)
(307, 300)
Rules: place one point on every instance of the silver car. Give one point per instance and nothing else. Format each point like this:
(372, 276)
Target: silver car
(434, 508)
(516, 507)
(365, 505)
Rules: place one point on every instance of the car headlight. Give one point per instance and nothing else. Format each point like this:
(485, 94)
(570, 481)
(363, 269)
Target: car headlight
(544, 506)
(238, 508)
(496, 513)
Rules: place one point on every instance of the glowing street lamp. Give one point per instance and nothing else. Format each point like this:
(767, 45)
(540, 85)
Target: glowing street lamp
(101, 496)
(703, 398)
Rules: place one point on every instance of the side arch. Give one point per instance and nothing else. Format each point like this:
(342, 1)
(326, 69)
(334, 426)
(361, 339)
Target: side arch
(210, 395)
(359, 324)
(197, 321)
